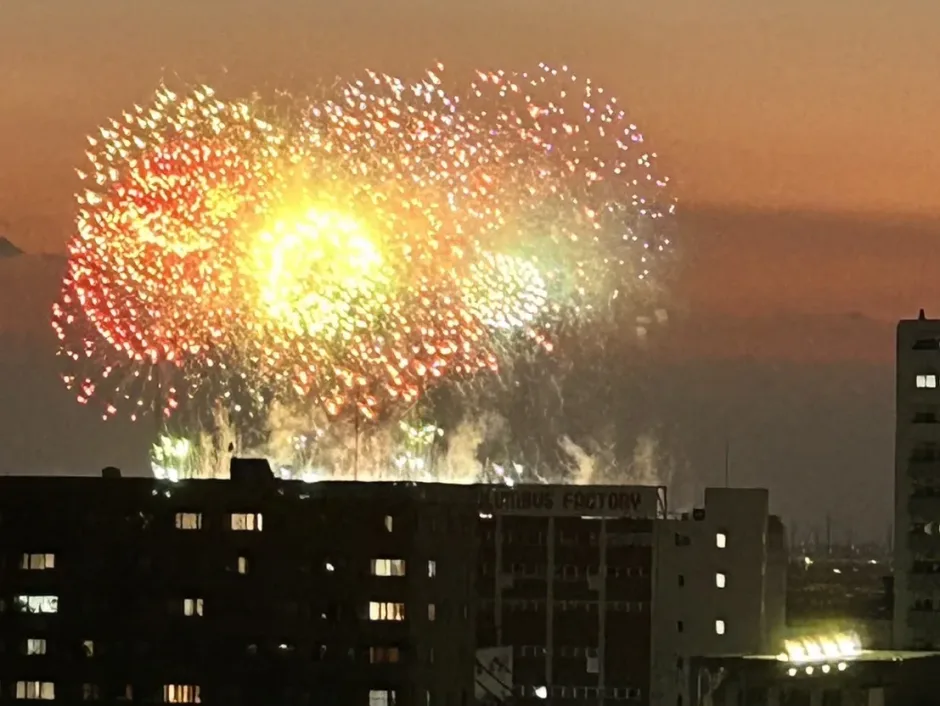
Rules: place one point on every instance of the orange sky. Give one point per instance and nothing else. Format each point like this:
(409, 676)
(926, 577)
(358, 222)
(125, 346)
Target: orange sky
(801, 105)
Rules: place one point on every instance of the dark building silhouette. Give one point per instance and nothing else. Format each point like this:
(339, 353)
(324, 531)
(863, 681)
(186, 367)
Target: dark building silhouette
(597, 595)
(569, 589)
(255, 590)
(917, 484)
(248, 591)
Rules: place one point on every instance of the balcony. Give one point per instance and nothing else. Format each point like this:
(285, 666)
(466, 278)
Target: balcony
(924, 508)
(925, 546)
(925, 621)
(923, 470)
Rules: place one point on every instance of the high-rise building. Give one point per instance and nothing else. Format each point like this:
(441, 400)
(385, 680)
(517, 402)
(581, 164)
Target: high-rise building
(917, 485)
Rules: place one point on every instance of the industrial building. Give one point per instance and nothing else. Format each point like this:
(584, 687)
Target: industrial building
(917, 485)
(565, 583)
(598, 594)
(244, 591)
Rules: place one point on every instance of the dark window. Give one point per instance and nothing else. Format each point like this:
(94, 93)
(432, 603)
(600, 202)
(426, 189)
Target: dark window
(927, 344)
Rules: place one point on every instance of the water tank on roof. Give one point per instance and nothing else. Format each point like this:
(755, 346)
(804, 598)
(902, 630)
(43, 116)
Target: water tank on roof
(250, 470)
(111, 472)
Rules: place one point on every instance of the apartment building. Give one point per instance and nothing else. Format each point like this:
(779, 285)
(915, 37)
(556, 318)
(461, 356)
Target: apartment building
(917, 485)
(243, 591)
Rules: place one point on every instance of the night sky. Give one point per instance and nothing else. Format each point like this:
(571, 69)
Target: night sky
(801, 137)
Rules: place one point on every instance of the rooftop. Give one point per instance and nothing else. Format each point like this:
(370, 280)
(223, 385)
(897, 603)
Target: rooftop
(864, 656)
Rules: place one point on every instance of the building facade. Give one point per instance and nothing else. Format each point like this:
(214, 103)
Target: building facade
(247, 591)
(917, 485)
(598, 596)
(720, 586)
(565, 582)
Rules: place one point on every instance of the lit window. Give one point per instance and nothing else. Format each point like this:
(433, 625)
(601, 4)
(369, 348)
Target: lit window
(381, 697)
(720, 580)
(928, 382)
(383, 610)
(37, 604)
(243, 565)
(181, 694)
(89, 647)
(389, 523)
(383, 654)
(192, 606)
(432, 568)
(35, 646)
(90, 692)
(37, 562)
(388, 567)
(719, 627)
(44, 690)
(189, 520)
(721, 540)
(247, 521)
(432, 612)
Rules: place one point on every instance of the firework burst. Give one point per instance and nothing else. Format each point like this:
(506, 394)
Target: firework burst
(385, 237)
(588, 206)
(147, 297)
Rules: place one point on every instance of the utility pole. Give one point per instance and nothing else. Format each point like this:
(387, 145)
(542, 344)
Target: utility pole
(356, 451)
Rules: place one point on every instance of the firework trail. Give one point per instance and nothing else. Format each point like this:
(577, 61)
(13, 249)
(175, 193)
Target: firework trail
(352, 254)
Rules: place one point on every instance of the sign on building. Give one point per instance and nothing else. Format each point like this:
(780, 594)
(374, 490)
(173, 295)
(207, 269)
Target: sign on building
(638, 501)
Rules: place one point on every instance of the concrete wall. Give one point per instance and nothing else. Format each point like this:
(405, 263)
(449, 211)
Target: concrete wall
(689, 601)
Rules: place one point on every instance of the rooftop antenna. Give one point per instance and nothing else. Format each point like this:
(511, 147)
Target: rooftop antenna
(727, 462)
(356, 431)
(922, 316)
